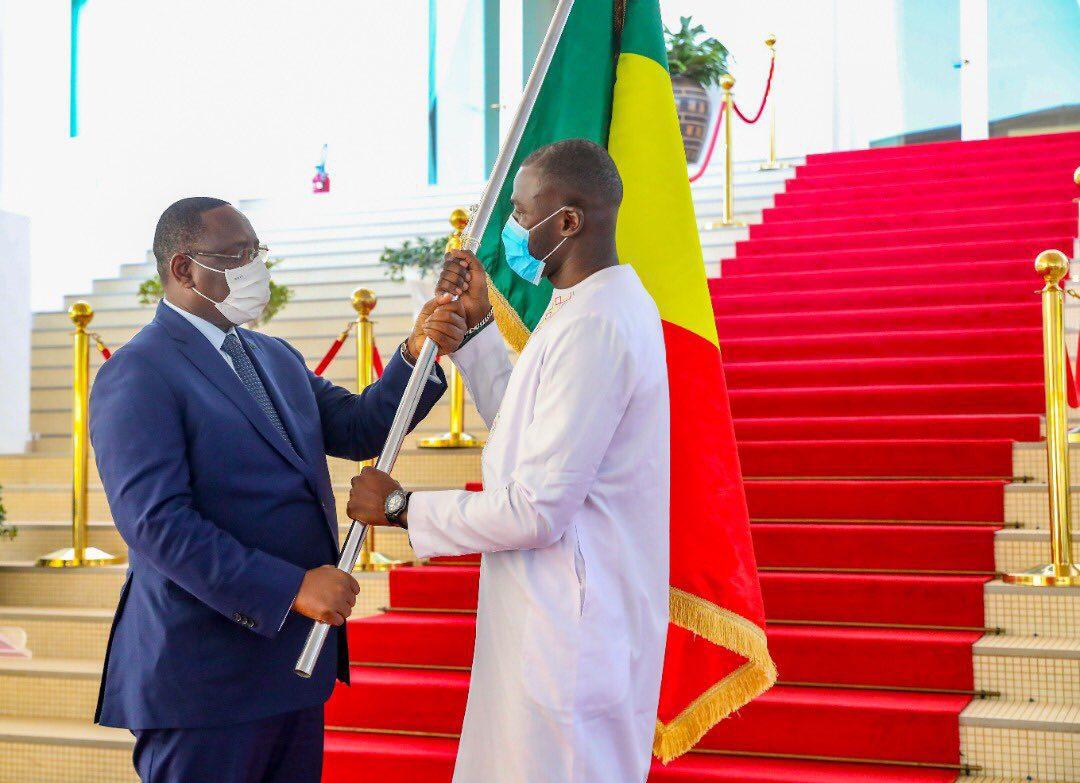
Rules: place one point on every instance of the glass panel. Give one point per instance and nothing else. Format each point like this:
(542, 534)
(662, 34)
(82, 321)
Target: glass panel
(928, 60)
(1034, 66)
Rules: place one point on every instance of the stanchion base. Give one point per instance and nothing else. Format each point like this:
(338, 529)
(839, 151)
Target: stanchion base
(65, 558)
(774, 166)
(1046, 576)
(451, 440)
(1074, 436)
(727, 224)
(373, 562)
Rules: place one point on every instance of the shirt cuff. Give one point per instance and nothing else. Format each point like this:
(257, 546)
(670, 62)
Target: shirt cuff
(287, 613)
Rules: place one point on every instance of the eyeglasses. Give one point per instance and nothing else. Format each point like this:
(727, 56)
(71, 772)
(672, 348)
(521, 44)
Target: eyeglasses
(257, 253)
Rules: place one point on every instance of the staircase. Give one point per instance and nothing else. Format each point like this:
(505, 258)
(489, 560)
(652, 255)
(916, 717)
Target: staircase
(326, 249)
(883, 351)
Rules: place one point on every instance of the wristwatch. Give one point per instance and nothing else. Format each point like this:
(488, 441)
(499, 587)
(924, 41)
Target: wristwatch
(396, 504)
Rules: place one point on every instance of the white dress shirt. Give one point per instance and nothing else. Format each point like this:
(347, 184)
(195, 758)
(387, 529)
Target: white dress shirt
(209, 331)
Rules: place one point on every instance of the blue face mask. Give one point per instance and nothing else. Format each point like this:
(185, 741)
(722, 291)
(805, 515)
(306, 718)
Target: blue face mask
(515, 241)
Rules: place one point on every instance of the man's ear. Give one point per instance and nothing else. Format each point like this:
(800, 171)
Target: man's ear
(180, 266)
(573, 221)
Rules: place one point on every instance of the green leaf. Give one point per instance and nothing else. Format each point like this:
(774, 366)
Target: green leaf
(703, 61)
(425, 255)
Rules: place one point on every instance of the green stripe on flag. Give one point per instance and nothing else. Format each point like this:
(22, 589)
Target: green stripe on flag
(574, 102)
(643, 32)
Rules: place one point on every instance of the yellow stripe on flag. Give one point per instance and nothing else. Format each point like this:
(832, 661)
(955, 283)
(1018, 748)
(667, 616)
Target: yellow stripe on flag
(657, 231)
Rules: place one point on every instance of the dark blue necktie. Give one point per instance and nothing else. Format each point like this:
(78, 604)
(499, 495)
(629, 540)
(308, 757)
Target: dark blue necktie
(252, 382)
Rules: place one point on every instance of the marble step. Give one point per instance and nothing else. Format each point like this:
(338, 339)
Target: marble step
(43, 750)
(1018, 550)
(1033, 669)
(23, 584)
(1012, 739)
(62, 632)
(1020, 610)
(64, 688)
(1027, 505)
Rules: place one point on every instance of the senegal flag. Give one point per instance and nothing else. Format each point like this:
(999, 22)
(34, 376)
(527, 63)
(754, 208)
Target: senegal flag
(608, 82)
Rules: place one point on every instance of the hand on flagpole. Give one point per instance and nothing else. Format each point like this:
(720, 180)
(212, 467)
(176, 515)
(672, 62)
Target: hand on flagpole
(367, 499)
(326, 595)
(463, 276)
(441, 319)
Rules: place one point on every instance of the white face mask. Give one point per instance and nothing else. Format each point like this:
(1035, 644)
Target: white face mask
(249, 290)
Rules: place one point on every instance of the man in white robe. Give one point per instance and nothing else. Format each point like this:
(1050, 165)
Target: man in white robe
(573, 518)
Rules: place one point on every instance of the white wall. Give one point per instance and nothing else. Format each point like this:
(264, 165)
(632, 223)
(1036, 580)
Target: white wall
(15, 332)
(459, 86)
(232, 98)
(14, 311)
(836, 83)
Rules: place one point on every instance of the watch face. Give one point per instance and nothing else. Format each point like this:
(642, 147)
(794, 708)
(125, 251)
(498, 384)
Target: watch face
(395, 501)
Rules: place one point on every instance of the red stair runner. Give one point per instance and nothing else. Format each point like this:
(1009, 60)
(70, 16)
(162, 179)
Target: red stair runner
(883, 350)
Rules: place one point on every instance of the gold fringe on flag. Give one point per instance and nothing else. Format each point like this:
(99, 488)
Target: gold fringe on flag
(513, 329)
(732, 632)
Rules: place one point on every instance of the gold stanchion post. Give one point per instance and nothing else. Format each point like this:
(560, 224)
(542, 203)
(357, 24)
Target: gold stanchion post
(363, 302)
(79, 553)
(727, 81)
(456, 438)
(1052, 265)
(772, 164)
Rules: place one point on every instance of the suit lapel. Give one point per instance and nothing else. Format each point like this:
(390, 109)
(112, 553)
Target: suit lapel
(273, 388)
(215, 369)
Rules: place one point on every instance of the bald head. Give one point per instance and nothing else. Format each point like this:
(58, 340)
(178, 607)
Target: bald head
(581, 172)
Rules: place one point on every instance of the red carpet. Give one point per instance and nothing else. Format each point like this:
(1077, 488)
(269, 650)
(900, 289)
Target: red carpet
(883, 349)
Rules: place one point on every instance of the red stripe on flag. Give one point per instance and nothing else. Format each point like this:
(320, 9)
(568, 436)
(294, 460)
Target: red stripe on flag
(712, 554)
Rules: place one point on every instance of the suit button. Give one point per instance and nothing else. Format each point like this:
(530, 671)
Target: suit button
(238, 617)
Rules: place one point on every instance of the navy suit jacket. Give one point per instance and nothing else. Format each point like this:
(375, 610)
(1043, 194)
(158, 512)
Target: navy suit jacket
(222, 518)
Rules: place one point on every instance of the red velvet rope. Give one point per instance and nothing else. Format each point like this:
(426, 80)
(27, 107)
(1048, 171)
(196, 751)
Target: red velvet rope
(335, 346)
(720, 121)
(764, 98)
(376, 361)
(712, 146)
(105, 352)
(331, 354)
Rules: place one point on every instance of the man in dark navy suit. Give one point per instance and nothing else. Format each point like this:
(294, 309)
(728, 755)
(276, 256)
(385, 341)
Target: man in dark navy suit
(211, 442)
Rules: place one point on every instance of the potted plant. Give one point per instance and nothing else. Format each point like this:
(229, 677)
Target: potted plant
(695, 64)
(150, 292)
(412, 263)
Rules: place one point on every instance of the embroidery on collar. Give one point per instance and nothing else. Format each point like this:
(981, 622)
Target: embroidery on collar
(556, 304)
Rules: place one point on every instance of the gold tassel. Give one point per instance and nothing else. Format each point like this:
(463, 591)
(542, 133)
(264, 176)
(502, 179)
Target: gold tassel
(513, 329)
(732, 632)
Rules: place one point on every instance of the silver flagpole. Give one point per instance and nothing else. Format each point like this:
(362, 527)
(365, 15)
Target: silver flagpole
(425, 362)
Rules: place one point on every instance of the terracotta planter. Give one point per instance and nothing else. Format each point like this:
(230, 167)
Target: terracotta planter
(695, 109)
